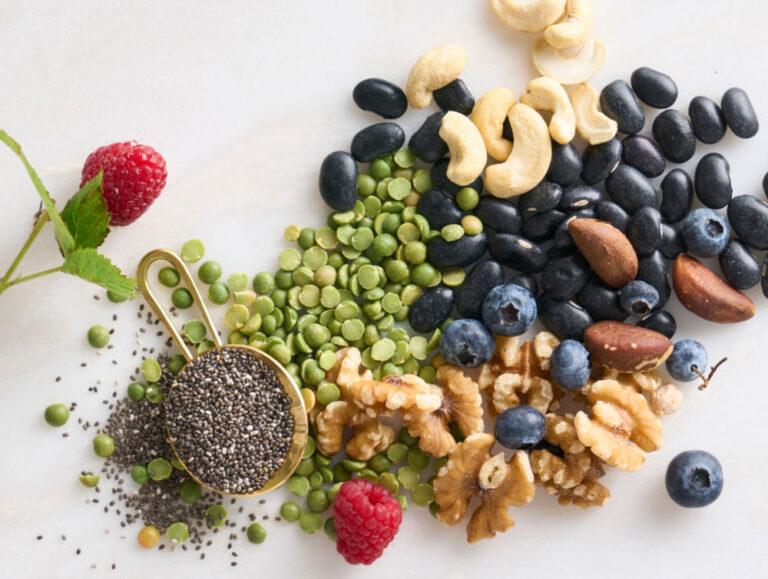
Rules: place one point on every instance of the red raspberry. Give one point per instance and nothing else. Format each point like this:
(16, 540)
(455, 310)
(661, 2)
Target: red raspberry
(134, 175)
(367, 518)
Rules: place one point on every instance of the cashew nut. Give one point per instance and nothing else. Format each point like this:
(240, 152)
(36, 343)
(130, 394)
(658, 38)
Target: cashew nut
(545, 94)
(568, 70)
(591, 123)
(530, 157)
(572, 29)
(488, 115)
(467, 150)
(528, 15)
(432, 71)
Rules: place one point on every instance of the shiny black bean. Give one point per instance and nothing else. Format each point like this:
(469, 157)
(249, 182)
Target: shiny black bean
(338, 181)
(765, 184)
(565, 167)
(601, 301)
(600, 161)
(644, 231)
(542, 226)
(480, 280)
(672, 241)
(543, 197)
(712, 181)
(565, 319)
(653, 270)
(381, 97)
(739, 265)
(630, 189)
(562, 242)
(441, 181)
(739, 114)
(517, 252)
(673, 132)
(431, 309)
(613, 214)
(460, 253)
(500, 215)
(654, 88)
(426, 143)
(764, 277)
(578, 197)
(438, 208)
(526, 281)
(748, 216)
(661, 321)
(455, 96)
(377, 140)
(644, 155)
(707, 120)
(619, 102)
(677, 195)
(564, 277)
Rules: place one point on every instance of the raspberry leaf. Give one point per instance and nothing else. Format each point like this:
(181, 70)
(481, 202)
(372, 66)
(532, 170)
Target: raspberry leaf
(94, 267)
(86, 215)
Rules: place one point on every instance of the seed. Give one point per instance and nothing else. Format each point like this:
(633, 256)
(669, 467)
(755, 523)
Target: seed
(148, 537)
(136, 391)
(98, 336)
(256, 534)
(89, 480)
(56, 414)
(169, 277)
(103, 445)
(178, 532)
(192, 251)
(150, 369)
(216, 515)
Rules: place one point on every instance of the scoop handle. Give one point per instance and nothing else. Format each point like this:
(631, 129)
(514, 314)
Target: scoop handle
(143, 281)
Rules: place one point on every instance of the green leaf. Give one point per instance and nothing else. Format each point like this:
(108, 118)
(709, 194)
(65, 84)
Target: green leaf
(86, 215)
(90, 265)
(63, 235)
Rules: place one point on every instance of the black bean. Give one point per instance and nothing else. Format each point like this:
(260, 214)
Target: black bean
(654, 88)
(712, 181)
(765, 184)
(564, 277)
(764, 277)
(653, 270)
(542, 226)
(661, 321)
(338, 181)
(455, 96)
(500, 215)
(673, 133)
(438, 208)
(672, 241)
(460, 253)
(748, 216)
(739, 114)
(426, 142)
(600, 161)
(644, 155)
(644, 231)
(578, 197)
(613, 214)
(565, 167)
(431, 309)
(739, 265)
(441, 181)
(565, 319)
(517, 252)
(526, 281)
(630, 189)
(601, 301)
(562, 242)
(677, 195)
(544, 197)
(707, 120)
(381, 97)
(377, 140)
(619, 102)
(479, 281)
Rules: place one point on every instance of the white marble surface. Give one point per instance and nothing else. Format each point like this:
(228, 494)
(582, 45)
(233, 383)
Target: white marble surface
(244, 99)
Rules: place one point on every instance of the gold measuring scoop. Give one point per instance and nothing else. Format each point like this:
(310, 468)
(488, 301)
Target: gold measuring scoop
(297, 408)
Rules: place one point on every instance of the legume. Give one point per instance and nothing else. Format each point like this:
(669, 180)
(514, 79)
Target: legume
(56, 414)
(98, 337)
(192, 251)
(103, 445)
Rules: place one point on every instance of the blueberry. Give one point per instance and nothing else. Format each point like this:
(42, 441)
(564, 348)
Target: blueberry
(638, 297)
(739, 265)
(661, 321)
(455, 96)
(613, 214)
(509, 310)
(672, 242)
(600, 161)
(739, 114)
(441, 181)
(432, 308)
(687, 361)
(654, 270)
(376, 140)
(569, 365)
(544, 197)
(338, 181)
(707, 120)
(712, 181)
(565, 166)
(479, 281)
(578, 197)
(619, 102)
(526, 281)
(520, 427)
(644, 231)
(630, 189)
(654, 88)
(381, 97)
(694, 479)
(644, 155)
(518, 253)
(438, 208)
(673, 132)
(748, 216)
(601, 301)
(564, 277)
(500, 215)
(426, 142)
(542, 226)
(460, 253)
(677, 195)
(706, 232)
(467, 343)
(565, 319)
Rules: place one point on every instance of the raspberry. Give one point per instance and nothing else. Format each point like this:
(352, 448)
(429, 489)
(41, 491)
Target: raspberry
(134, 175)
(367, 518)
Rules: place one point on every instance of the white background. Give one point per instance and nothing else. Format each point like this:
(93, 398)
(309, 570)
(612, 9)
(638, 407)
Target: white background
(244, 99)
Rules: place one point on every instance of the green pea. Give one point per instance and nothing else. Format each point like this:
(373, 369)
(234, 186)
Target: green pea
(380, 463)
(418, 459)
(327, 360)
(379, 169)
(313, 374)
(366, 185)
(177, 532)
(368, 474)
(467, 198)
(306, 238)
(209, 272)
(404, 158)
(399, 188)
(290, 511)
(454, 277)
(397, 452)
(368, 276)
(452, 232)
(326, 474)
(422, 494)
(218, 293)
(330, 528)
(315, 257)
(383, 350)
(153, 394)
(408, 477)
(136, 391)
(281, 353)
(56, 414)
(385, 244)
(176, 363)
(317, 501)
(216, 515)
(471, 225)
(159, 469)
(362, 238)
(291, 233)
(410, 294)
(389, 481)
(325, 276)
(169, 277)
(182, 298)
(391, 369)
(340, 473)
(310, 522)
(423, 275)
(194, 331)
(236, 316)
(353, 465)
(327, 393)
(284, 280)
(116, 298)
(346, 310)
(89, 480)
(298, 485)
(192, 251)
(393, 207)
(408, 232)
(405, 437)
(98, 337)
(289, 259)
(316, 335)
(415, 252)
(189, 491)
(422, 181)
(103, 445)
(306, 467)
(139, 474)
(303, 275)
(334, 490)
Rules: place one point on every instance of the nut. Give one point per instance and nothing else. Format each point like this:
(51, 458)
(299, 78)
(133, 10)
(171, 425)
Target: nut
(572, 28)
(663, 398)
(666, 399)
(435, 69)
(529, 160)
(708, 296)
(626, 348)
(467, 148)
(544, 343)
(395, 393)
(587, 494)
(528, 15)
(593, 126)
(369, 439)
(489, 114)
(568, 69)
(348, 369)
(545, 94)
(608, 251)
(369, 436)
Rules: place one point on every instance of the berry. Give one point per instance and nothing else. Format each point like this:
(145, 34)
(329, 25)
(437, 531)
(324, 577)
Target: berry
(687, 361)
(367, 518)
(467, 343)
(569, 364)
(520, 427)
(694, 479)
(509, 310)
(638, 297)
(134, 175)
(705, 232)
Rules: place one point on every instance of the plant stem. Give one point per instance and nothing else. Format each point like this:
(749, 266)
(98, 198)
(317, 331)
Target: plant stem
(38, 227)
(4, 285)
